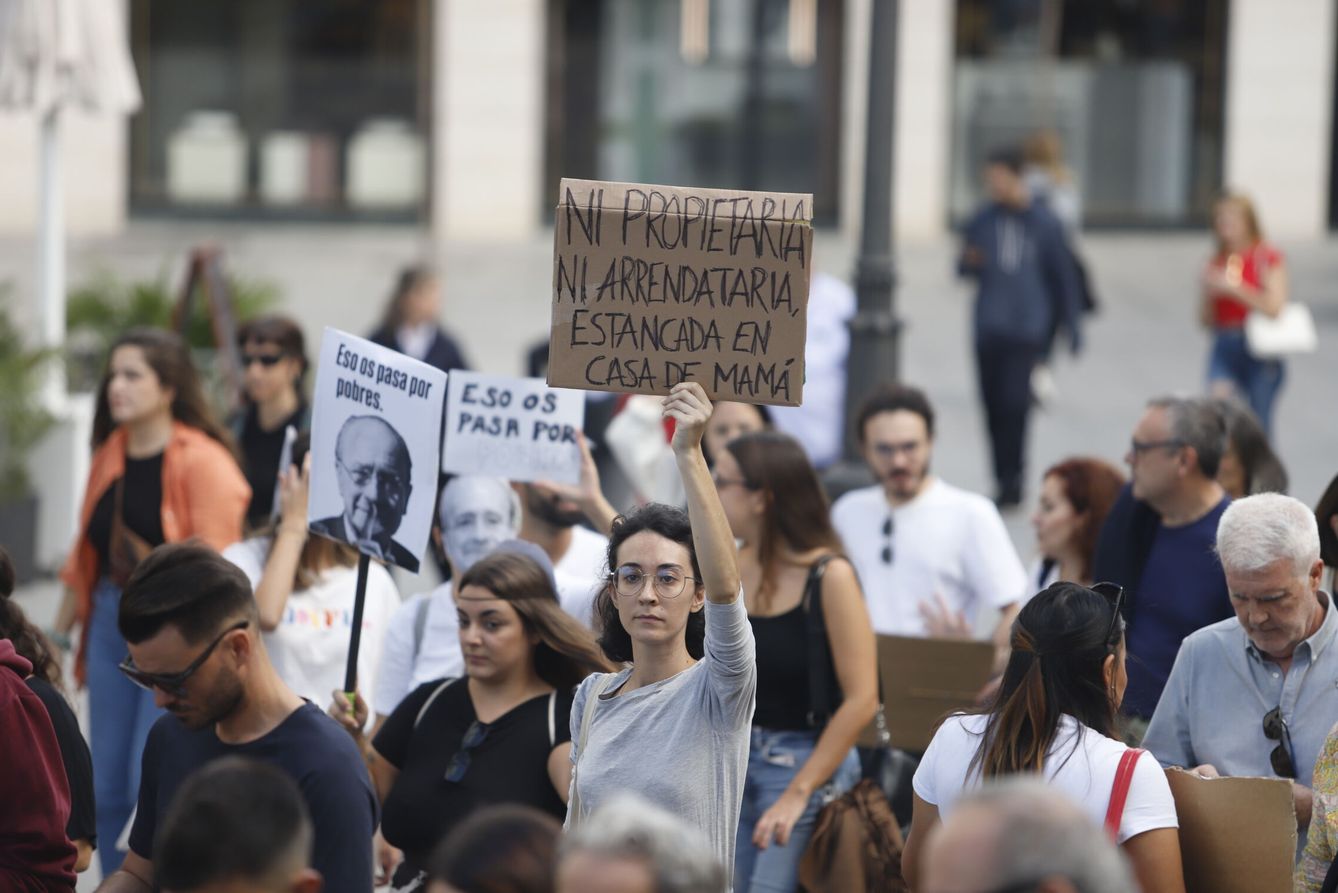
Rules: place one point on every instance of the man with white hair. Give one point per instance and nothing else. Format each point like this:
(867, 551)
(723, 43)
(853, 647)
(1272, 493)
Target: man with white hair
(629, 845)
(1254, 695)
(1020, 834)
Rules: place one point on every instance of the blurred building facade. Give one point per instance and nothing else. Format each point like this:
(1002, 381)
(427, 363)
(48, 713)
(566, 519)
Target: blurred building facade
(462, 116)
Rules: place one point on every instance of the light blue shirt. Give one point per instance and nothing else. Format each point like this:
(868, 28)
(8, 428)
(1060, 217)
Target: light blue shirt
(1213, 707)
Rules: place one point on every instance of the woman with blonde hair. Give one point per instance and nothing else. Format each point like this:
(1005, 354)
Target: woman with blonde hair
(1246, 274)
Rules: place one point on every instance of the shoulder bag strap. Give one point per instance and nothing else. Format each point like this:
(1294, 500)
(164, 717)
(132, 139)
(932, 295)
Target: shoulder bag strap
(1119, 792)
(552, 719)
(422, 711)
(819, 651)
(574, 806)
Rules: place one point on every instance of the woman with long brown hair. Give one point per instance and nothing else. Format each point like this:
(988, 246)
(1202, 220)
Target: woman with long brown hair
(1076, 496)
(1055, 716)
(502, 733)
(1246, 274)
(163, 470)
(814, 693)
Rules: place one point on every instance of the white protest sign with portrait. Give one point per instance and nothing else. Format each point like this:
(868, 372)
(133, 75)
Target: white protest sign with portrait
(514, 428)
(375, 447)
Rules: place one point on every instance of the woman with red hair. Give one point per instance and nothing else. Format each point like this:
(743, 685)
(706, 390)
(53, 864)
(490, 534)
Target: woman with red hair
(1076, 495)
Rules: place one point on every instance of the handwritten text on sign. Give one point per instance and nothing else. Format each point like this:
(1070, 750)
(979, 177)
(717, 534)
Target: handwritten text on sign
(516, 428)
(653, 285)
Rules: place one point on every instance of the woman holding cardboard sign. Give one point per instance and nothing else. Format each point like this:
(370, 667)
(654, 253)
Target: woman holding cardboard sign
(674, 725)
(817, 684)
(1055, 715)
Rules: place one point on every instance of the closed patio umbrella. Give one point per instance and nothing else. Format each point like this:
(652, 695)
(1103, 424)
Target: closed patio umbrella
(55, 54)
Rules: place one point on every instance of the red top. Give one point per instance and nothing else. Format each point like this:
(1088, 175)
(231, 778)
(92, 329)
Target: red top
(1248, 269)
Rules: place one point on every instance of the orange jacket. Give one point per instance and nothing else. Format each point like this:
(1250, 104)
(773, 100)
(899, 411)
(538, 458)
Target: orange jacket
(204, 495)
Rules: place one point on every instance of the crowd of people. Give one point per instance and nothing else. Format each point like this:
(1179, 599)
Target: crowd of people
(671, 696)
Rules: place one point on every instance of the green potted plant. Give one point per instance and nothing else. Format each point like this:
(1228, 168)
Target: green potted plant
(24, 421)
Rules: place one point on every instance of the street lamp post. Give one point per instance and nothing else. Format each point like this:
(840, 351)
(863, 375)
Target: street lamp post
(874, 329)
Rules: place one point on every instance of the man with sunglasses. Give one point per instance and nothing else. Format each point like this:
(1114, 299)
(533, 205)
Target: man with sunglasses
(192, 627)
(1157, 542)
(1255, 694)
(374, 471)
(930, 556)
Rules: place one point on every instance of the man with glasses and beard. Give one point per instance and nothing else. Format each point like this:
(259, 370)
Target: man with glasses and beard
(373, 469)
(192, 627)
(930, 556)
(1253, 695)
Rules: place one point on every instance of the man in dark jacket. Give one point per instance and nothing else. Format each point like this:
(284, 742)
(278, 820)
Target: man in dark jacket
(1027, 287)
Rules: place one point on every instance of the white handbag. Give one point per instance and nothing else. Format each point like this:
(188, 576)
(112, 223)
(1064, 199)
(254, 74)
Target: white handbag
(1290, 332)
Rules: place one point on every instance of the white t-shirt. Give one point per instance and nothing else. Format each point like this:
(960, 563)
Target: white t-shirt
(580, 572)
(309, 648)
(438, 653)
(1085, 774)
(945, 540)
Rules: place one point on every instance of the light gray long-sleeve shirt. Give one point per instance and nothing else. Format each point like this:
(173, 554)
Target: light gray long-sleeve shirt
(681, 743)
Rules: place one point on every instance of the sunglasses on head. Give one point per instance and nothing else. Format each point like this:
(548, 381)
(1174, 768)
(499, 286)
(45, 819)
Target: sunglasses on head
(174, 684)
(1114, 593)
(1275, 729)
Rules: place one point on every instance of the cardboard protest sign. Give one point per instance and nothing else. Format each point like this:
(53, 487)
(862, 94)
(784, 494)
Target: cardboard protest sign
(653, 285)
(923, 681)
(1237, 835)
(375, 448)
(514, 428)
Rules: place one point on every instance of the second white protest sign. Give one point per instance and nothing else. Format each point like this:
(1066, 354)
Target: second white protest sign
(516, 428)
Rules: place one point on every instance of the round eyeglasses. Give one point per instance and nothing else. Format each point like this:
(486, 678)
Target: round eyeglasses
(628, 581)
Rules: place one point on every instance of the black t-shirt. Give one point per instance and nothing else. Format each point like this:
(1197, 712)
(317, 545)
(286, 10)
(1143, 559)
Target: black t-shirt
(510, 765)
(78, 762)
(782, 671)
(141, 506)
(311, 748)
(261, 452)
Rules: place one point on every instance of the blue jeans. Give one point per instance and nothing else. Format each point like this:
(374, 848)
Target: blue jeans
(773, 761)
(1254, 381)
(119, 717)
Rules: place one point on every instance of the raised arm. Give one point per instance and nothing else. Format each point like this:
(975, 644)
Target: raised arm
(285, 552)
(689, 407)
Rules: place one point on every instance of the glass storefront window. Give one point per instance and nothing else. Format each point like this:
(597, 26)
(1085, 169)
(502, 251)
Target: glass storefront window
(627, 101)
(281, 108)
(1134, 92)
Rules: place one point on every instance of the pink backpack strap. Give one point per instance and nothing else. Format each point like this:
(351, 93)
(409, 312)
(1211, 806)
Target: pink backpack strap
(1119, 793)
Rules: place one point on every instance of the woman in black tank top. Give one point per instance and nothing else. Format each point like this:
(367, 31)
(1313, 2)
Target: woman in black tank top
(817, 682)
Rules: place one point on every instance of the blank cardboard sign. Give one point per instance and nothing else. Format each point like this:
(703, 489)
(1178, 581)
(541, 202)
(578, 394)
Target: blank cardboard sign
(653, 285)
(925, 680)
(1237, 835)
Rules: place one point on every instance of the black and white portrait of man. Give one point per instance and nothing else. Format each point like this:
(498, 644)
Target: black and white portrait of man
(374, 472)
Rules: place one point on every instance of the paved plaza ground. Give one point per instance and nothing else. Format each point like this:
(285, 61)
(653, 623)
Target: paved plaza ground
(1145, 341)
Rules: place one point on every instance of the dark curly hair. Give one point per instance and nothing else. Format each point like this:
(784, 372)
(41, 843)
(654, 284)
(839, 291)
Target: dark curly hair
(672, 524)
(28, 640)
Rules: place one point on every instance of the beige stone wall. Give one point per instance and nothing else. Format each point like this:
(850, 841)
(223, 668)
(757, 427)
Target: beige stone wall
(1279, 129)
